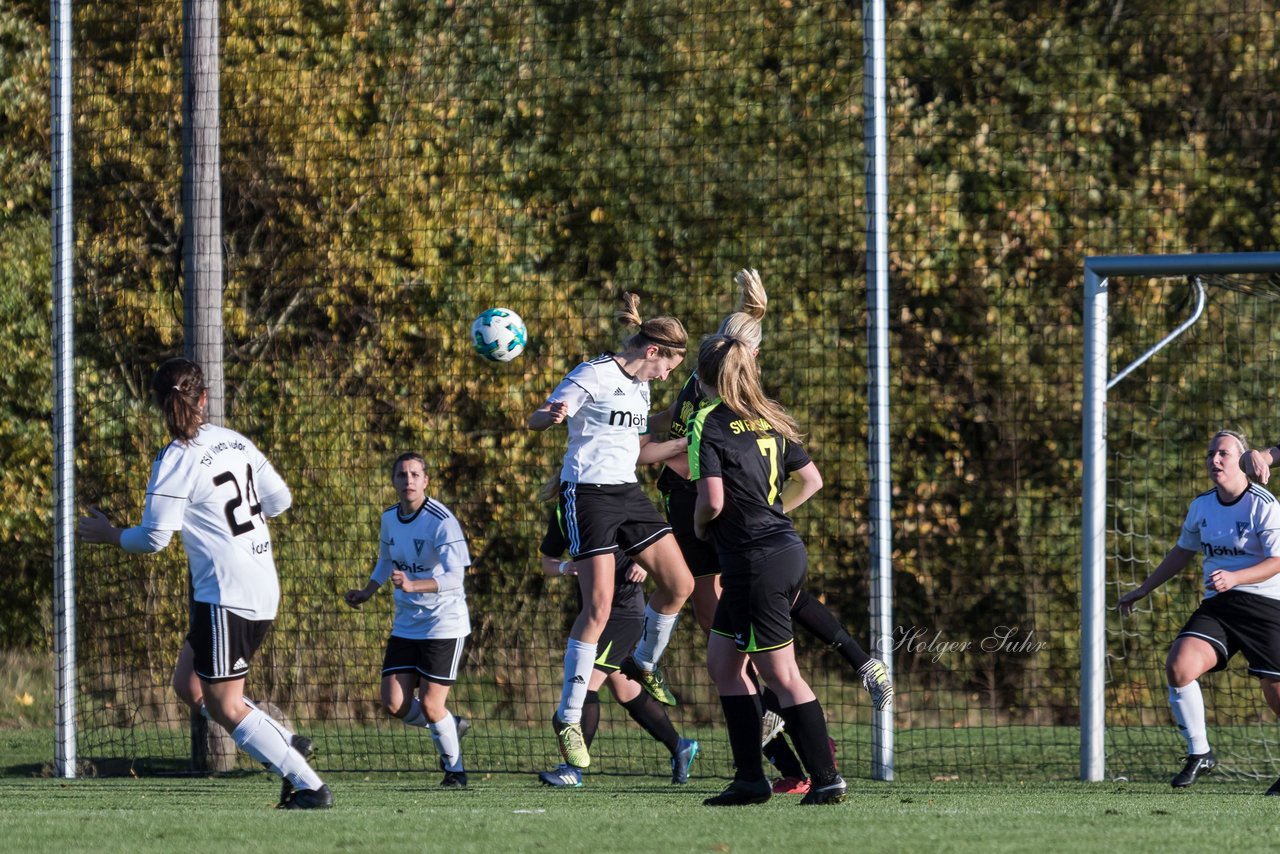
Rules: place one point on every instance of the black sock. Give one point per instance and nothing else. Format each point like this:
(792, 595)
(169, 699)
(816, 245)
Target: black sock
(808, 730)
(822, 624)
(742, 716)
(649, 713)
(782, 757)
(590, 716)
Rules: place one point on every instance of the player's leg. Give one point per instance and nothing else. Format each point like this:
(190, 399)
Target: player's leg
(768, 639)
(662, 559)
(595, 580)
(591, 515)
(438, 667)
(222, 645)
(810, 614)
(1189, 658)
(185, 682)
(727, 666)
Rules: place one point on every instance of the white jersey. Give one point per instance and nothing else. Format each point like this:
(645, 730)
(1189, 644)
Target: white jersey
(1235, 536)
(209, 489)
(428, 544)
(608, 412)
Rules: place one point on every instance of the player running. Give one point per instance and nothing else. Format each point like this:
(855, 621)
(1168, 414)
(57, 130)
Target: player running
(215, 487)
(423, 553)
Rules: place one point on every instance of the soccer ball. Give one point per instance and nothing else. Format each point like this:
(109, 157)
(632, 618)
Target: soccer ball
(498, 334)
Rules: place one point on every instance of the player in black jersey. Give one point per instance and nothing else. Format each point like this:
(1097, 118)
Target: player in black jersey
(750, 469)
(679, 496)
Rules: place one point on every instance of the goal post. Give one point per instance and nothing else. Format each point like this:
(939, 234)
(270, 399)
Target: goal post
(1098, 272)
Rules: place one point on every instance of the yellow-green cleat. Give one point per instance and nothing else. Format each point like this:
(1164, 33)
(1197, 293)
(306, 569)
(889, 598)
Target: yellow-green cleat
(875, 678)
(650, 680)
(573, 746)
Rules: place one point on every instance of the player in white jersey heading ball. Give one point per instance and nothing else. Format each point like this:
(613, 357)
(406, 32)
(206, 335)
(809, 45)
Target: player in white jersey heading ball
(605, 403)
(216, 488)
(423, 553)
(1236, 527)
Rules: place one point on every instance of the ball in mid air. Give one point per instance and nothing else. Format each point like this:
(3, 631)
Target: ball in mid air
(498, 334)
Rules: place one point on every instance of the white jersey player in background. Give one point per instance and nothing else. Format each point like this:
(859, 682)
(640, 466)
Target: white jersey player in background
(1236, 527)
(217, 489)
(605, 403)
(424, 554)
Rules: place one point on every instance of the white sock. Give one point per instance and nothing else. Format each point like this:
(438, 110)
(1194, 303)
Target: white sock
(204, 711)
(1187, 704)
(444, 733)
(416, 716)
(268, 742)
(657, 634)
(579, 661)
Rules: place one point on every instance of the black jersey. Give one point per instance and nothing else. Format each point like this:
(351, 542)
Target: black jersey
(688, 402)
(628, 596)
(753, 460)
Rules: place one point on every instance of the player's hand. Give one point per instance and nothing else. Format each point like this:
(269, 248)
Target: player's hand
(1128, 600)
(1257, 465)
(399, 579)
(636, 574)
(559, 411)
(356, 598)
(1220, 581)
(96, 528)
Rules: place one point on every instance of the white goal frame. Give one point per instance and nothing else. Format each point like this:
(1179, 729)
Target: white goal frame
(1098, 270)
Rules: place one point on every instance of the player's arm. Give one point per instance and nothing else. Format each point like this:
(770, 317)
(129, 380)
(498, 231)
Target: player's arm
(1257, 464)
(381, 572)
(1222, 580)
(657, 452)
(554, 567)
(550, 413)
(800, 486)
(709, 505)
(660, 422)
(1174, 562)
(97, 528)
(573, 391)
(273, 493)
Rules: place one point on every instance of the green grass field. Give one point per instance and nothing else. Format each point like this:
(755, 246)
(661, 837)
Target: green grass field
(613, 814)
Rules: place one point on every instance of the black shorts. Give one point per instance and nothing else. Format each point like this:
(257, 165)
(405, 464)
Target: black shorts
(433, 659)
(1237, 621)
(755, 603)
(600, 518)
(619, 638)
(223, 642)
(700, 555)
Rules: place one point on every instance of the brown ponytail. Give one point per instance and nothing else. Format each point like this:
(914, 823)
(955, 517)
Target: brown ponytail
(177, 388)
(729, 366)
(665, 333)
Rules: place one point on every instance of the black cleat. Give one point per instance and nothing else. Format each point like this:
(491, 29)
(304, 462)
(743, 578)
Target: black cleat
(831, 793)
(303, 745)
(454, 780)
(1197, 764)
(309, 799)
(742, 793)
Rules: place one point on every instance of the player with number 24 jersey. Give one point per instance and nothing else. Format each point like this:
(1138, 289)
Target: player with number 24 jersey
(211, 489)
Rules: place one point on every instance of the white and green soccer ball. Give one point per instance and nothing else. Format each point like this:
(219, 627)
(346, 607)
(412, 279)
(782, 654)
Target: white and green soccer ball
(498, 334)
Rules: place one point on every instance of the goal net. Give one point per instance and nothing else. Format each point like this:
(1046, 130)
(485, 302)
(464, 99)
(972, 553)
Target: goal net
(1220, 373)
